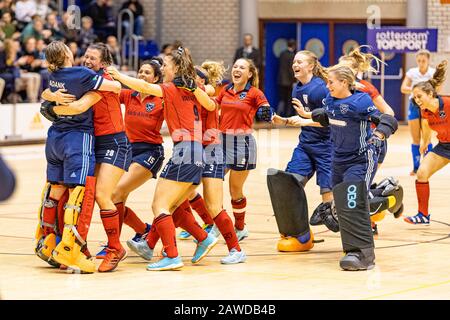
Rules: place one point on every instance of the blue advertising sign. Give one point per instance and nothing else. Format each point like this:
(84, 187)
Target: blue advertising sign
(402, 39)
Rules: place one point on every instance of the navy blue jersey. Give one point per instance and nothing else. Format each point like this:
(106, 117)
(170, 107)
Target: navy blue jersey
(312, 95)
(350, 125)
(77, 81)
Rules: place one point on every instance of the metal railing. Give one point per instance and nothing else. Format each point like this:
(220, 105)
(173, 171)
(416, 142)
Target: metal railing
(130, 40)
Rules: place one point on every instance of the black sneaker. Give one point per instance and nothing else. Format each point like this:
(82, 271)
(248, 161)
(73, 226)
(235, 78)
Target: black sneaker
(358, 260)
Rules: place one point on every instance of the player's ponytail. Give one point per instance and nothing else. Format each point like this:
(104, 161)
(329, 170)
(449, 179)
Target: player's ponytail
(215, 71)
(318, 70)
(361, 62)
(56, 55)
(437, 80)
(183, 61)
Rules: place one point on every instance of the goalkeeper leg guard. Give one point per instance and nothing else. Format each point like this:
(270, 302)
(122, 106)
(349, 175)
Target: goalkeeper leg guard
(77, 219)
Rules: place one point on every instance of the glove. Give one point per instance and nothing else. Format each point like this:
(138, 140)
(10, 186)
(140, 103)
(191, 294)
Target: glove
(47, 111)
(265, 113)
(376, 141)
(188, 85)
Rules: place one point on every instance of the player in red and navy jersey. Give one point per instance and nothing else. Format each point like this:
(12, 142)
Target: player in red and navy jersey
(182, 106)
(144, 116)
(112, 150)
(239, 102)
(69, 152)
(435, 111)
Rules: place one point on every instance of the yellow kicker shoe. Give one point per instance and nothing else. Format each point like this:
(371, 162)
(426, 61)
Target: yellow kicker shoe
(44, 249)
(73, 258)
(377, 217)
(292, 244)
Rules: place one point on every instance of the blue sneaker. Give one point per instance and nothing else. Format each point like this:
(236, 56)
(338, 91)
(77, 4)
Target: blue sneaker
(141, 248)
(184, 235)
(419, 218)
(166, 264)
(139, 236)
(241, 234)
(203, 248)
(102, 253)
(234, 257)
(215, 231)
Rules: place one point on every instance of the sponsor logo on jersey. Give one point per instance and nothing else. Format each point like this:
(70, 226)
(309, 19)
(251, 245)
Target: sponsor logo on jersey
(442, 114)
(243, 95)
(344, 108)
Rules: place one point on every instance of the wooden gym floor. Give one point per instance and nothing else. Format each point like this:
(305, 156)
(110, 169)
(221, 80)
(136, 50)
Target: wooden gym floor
(412, 262)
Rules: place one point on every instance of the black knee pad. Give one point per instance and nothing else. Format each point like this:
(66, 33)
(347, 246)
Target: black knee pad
(288, 202)
(352, 208)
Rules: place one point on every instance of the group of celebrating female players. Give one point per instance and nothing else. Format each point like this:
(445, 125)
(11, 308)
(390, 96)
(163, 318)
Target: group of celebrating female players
(94, 153)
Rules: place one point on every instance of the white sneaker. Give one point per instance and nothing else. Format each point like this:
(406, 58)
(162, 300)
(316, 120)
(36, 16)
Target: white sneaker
(234, 257)
(241, 234)
(215, 231)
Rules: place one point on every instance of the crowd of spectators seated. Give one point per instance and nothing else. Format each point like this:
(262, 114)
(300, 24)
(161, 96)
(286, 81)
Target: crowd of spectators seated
(28, 26)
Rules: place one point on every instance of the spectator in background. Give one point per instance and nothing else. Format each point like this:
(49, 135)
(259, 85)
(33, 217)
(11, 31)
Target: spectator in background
(114, 48)
(54, 26)
(42, 8)
(165, 50)
(286, 79)
(68, 32)
(73, 46)
(249, 51)
(101, 12)
(8, 27)
(138, 14)
(35, 29)
(8, 72)
(25, 10)
(40, 48)
(30, 65)
(87, 33)
(7, 5)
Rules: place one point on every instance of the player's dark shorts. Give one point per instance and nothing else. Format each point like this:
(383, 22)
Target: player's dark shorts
(114, 149)
(70, 156)
(214, 166)
(186, 163)
(363, 168)
(383, 152)
(148, 155)
(310, 158)
(239, 152)
(442, 149)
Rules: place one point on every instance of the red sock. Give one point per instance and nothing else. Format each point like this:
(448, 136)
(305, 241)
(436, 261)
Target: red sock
(184, 218)
(166, 229)
(423, 196)
(198, 204)
(60, 212)
(152, 237)
(225, 225)
(131, 219)
(49, 216)
(110, 220)
(239, 212)
(121, 209)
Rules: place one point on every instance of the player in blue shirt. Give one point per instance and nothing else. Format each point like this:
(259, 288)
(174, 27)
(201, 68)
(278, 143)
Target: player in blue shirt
(312, 154)
(355, 145)
(70, 165)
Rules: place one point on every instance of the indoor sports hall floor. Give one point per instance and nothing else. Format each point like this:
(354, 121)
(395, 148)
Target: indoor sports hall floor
(413, 262)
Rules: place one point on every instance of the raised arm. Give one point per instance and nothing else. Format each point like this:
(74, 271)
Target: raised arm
(79, 106)
(58, 96)
(383, 106)
(406, 85)
(136, 84)
(109, 85)
(204, 99)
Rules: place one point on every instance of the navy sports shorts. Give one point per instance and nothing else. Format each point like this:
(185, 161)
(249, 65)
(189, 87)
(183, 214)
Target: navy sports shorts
(70, 156)
(148, 155)
(442, 149)
(214, 166)
(310, 158)
(113, 149)
(362, 169)
(239, 152)
(186, 163)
